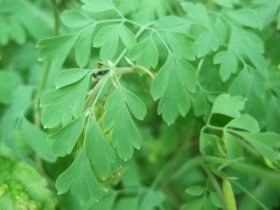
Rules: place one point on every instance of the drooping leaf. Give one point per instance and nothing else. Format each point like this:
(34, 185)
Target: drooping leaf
(60, 105)
(98, 150)
(80, 179)
(63, 141)
(125, 134)
(172, 85)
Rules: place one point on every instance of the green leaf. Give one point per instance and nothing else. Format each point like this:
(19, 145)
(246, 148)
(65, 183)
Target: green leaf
(99, 152)
(135, 104)
(151, 200)
(97, 5)
(173, 23)
(63, 141)
(245, 122)
(205, 43)
(228, 105)
(172, 84)
(197, 13)
(106, 202)
(226, 3)
(208, 144)
(8, 81)
(182, 45)
(278, 20)
(195, 190)
(228, 63)
(70, 76)
(125, 135)
(233, 147)
(75, 18)
(127, 37)
(36, 139)
(199, 204)
(229, 195)
(245, 17)
(83, 47)
(80, 179)
(123, 203)
(108, 39)
(56, 49)
(59, 106)
(145, 53)
(267, 144)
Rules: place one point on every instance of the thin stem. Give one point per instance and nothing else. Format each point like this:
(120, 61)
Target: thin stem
(55, 18)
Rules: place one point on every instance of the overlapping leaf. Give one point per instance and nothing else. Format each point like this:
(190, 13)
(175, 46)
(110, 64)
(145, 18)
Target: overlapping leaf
(99, 151)
(172, 86)
(61, 105)
(81, 180)
(125, 134)
(108, 39)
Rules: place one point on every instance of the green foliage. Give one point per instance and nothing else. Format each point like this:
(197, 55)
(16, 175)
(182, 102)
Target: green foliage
(139, 104)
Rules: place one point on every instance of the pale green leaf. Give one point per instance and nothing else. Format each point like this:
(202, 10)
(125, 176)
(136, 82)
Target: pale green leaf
(8, 81)
(228, 63)
(195, 190)
(80, 179)
(172, 84)
(233, 147)
(63, 141)
(75, 18)
(135, 104)
(125, 134)
(205, 43)
(83, 47)
(70, 76)
(36, 139)
(59, 106)
(228, 105)
(99, 152)
(56, 49)
(267, 144)
(97, 5)
(145, 53)
(151, 200)
(107, 38)
(127, 37)
(198, 13)
(245, 122)
(182, 45)
(245, 17)
(226, 3)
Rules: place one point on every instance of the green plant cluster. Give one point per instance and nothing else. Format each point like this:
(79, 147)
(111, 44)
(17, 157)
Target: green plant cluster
(140, 104)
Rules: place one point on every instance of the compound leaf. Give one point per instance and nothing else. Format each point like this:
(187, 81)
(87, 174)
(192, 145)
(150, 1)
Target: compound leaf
(172, 84)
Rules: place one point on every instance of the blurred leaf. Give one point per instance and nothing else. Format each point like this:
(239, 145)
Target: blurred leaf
(195, 190)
